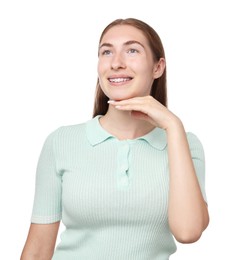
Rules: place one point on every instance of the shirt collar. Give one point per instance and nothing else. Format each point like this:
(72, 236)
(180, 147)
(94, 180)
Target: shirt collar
(96, 135)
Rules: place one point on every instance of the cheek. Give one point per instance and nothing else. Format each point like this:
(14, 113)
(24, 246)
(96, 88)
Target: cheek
(99, 68)
(101, 72)
(148, 71)
(141, 66)
(102, 66)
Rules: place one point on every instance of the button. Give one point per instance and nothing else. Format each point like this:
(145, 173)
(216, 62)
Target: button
(123, 168)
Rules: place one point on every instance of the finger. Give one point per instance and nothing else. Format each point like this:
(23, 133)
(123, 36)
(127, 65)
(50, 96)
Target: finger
(131, 107)
(125, 101)
(128, 104)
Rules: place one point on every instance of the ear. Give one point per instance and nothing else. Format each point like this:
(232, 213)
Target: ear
(159, 68)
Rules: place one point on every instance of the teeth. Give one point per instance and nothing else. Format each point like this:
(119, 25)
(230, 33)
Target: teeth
(117, 80)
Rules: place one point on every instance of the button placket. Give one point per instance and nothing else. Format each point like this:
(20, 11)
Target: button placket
(123, 164)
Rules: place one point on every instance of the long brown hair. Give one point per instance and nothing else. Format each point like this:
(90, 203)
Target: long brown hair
(159, 86)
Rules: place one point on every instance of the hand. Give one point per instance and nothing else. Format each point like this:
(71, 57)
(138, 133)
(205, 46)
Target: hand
(147, 108)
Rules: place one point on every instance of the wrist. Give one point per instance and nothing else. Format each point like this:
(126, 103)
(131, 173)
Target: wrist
(174, 124)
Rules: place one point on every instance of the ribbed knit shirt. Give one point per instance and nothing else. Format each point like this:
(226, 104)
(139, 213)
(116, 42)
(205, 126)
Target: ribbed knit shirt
(111, 194)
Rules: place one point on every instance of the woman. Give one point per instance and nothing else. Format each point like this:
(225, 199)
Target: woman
(128, 181)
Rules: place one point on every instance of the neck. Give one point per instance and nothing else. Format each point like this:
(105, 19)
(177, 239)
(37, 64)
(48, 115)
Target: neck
(123, 125)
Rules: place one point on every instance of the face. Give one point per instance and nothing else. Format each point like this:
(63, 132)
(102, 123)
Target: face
(125, 67)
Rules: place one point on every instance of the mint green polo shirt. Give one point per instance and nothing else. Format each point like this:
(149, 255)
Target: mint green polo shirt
(111, 195)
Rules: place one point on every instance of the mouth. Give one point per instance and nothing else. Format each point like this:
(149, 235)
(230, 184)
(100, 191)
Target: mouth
(119, 80)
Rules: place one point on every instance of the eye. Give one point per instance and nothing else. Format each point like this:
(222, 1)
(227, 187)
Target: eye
(132, 51)
(106, 52)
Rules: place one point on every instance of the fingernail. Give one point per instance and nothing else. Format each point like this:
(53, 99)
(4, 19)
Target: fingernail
(110, 101)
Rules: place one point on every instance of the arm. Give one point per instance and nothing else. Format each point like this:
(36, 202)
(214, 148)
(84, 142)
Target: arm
(187, 213)
(40, 242)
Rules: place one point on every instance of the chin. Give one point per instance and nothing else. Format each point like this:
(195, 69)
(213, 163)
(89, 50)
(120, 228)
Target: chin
(120, 97)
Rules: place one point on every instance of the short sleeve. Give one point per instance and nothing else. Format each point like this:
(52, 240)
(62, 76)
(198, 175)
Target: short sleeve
(47, 198)
(198, 157)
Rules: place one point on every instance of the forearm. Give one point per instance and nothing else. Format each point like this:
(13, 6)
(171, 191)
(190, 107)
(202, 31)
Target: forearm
(187, 212)
(33, 252)
(33, 256)
(40, 242)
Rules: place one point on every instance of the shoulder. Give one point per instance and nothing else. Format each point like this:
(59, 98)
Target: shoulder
(195, 145)
(193, 139)
(70, 129)
(67, 132)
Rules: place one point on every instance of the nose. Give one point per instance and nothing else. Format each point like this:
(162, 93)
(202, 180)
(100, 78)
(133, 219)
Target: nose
(118, 62)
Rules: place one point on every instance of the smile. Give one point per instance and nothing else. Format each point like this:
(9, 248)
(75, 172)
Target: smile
(119, 80)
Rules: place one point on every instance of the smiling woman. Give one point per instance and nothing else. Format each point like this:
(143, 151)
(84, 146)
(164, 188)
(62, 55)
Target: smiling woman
(129, 181)
(142, 44)
(126, 62)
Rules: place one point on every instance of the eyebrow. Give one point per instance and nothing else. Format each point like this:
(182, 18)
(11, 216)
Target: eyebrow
(125, 44)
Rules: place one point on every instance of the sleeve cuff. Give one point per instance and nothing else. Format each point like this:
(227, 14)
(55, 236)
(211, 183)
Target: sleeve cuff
(46, 219)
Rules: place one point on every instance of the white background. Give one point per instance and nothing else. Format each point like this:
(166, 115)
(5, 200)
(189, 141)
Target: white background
(48, 57)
